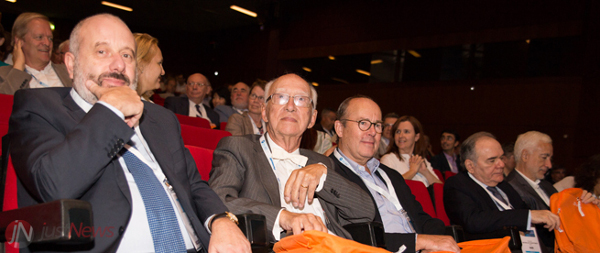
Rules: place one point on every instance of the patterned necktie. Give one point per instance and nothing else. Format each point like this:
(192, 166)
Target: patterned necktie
(497, 194)
(200, 115)
(159, 210)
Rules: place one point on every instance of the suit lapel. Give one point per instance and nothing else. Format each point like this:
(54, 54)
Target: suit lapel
(265, 172)
(527, 187)
(74, 110)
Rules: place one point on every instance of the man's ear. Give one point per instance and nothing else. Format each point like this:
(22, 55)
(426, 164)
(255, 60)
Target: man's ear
(337, 125)
(313, 119)
(264, 113)
(470, 166)
(525, 155)
(70, 62)
(456, 144)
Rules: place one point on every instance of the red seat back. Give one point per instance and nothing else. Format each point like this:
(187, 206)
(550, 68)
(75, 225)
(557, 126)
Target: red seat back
(6, 105)
(203, 158)
(193, 121)
(223, 125)
(158, 100)
(202, 137)
(438, 173)
(440, 211)
(449, 174)
(422, 195)
(10, 188)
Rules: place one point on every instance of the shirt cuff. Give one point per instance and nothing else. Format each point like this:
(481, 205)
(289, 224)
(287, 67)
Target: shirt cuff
(207, 222)
(113, 109)
(277, 228)
(529, 220)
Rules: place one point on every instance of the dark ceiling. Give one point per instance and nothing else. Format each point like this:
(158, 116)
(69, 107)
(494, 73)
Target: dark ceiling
(180, 15)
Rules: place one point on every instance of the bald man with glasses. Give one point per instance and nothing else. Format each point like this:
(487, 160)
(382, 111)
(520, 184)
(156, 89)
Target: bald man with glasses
(196, 89)
(296, 189)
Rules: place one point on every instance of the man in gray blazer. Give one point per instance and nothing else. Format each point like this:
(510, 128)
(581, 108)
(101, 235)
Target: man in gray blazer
(296, 189)
(32, 50)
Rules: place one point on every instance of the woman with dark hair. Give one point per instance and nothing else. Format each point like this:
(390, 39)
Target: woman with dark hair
(407, 152)
(221, 96)
(587, 177)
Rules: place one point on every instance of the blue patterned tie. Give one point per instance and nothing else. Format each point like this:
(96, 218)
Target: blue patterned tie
(161, 216)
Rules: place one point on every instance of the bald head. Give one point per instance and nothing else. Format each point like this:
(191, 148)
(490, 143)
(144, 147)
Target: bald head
(197, 87)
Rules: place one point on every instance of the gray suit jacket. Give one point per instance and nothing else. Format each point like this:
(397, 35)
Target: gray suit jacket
(528, 194)
(13, 79)
(225, 111)
(239, 124)
(242, 177)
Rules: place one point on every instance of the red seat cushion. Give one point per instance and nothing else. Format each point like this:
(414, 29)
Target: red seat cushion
(203, 158)
(422, 195)
(202, 137)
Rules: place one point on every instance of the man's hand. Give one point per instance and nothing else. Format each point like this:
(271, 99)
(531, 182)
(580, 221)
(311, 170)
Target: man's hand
(551, 220)
(300, 222)
(302, 184)
(123, 98)
(18, 55)
(227, 237)
(433, 243)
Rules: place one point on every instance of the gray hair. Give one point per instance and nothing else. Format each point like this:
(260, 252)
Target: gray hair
(528, 141)
(467, 149)
(313, 91)
(19, 28)
(63, 45)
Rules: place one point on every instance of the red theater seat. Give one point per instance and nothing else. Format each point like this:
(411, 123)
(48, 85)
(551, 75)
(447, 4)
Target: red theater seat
(422, 195)
(202, 137)
(203, 158)
(193, 121)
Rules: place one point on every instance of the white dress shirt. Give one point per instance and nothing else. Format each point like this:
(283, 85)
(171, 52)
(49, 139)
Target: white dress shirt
(194, 112)
(47, 77)
(137, 236)
(535, 185)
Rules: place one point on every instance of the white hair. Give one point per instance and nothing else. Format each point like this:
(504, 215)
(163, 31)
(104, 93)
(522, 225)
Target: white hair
(528, 141)
(313, 91)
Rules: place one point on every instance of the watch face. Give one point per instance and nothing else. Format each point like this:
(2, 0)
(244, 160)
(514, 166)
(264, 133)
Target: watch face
(232, 217)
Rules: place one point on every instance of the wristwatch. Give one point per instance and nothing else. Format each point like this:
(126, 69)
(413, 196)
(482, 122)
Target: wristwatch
(229, 215)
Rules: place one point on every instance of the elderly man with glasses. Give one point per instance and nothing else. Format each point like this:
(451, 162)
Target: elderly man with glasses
(296, 189)
(196, 89)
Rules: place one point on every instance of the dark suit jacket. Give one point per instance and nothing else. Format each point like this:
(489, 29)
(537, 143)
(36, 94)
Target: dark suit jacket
(422, 222)
(181, 105)
(242, 177)
(528, 194)
(60, 152)
(440, 162)
(469, 205)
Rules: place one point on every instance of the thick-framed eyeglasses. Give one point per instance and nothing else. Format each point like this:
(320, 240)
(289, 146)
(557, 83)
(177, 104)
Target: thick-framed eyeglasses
(199, 84)
(365, 125)
(282, 99)
(254, 96)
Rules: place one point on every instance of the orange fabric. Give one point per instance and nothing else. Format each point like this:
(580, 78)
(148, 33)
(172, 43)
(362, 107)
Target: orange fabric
(579, 234)
(316, 241)
(480, 246)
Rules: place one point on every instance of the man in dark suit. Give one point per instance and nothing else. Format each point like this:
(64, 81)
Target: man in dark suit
(447, 160)
(100, 143)
(480, 201)
(196, 89)
(359, 127)
(296, 189)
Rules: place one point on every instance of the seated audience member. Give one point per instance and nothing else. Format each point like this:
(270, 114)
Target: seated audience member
(388, 122)
(221, 97)
(447, 160)
(149, 63)
(239, 102)
(480, 201)
(197, 86)
(296, 189)
(533, 154)
(169, 88)
(58, 55)
(86, 143)
(428, 148)
(587, 177)
(249, 122)
(508, 158)
(359, 127)
(317, 141)
(557, 173)
(406, 154)
(326, 124)
(32, 67)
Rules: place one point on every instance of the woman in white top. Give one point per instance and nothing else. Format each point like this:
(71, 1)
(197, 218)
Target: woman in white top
(149, 62)
(406, 153)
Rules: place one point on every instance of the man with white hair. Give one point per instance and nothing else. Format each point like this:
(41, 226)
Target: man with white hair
(296, 189)
(31, 57)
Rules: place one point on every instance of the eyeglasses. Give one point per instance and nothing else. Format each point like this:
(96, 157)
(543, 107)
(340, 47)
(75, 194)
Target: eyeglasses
(254, 96)
(199, 84)
(282, 99)
(365, 125)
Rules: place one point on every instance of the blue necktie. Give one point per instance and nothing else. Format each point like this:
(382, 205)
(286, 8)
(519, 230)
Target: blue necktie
(161, 216)
(497, 194)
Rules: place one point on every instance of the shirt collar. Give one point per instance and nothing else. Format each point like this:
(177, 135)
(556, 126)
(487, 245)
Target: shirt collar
(84, 105)
(484, 186)
(372, 164)
(35, 71)
(273, 145)
(194, 103)
(532, 183)
(453, 157)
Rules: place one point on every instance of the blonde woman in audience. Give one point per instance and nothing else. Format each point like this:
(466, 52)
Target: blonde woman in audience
(250, 122)
(407, 152)
(149, 63)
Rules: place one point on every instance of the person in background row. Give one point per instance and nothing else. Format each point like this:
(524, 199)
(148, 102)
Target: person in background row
(32, 67)
(221, 97)
(249, 122)
(406, 154)
(557, 173)
(239, 102)
(191, 105)
(448, 160)
(387, 136)
(508, 158)
(149, 63)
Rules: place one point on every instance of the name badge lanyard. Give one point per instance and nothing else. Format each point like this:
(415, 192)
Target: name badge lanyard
(41, 83)
(386, 194)
(265, 147)
(499, 202)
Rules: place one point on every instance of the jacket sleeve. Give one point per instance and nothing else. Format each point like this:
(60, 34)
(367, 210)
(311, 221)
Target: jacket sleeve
(12, 79)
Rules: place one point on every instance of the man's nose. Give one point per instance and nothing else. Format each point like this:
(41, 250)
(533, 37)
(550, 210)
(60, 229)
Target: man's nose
(117, 63)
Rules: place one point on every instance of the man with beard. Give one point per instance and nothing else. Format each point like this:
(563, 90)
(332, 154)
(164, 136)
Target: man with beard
(31, 57)
(100, 143)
